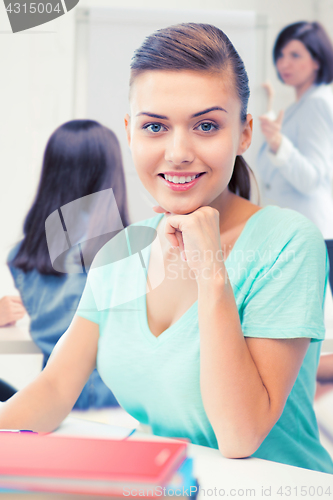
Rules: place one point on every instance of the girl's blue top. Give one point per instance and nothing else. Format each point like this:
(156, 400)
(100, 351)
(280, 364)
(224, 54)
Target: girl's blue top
(51, 302)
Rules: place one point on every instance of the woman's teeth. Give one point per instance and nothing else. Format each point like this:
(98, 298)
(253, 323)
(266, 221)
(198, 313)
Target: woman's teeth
(180, 180)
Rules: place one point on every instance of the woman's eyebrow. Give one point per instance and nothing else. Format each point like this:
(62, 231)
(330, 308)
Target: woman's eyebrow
(163, 117)
(153, 115)
(214, 108)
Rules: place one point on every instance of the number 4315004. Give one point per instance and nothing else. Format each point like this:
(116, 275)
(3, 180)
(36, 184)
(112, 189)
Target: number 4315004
(33, 8)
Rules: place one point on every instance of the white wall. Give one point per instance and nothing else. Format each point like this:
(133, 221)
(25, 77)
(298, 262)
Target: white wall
(36, 93)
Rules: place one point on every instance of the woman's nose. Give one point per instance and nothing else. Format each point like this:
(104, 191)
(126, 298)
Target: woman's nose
(179, 149)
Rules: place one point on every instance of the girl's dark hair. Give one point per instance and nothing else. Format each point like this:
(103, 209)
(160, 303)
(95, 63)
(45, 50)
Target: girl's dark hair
(198, 47)
(317, 42)
(81, 157)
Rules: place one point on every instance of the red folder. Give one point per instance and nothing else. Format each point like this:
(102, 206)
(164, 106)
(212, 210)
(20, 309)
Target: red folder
(84, 465)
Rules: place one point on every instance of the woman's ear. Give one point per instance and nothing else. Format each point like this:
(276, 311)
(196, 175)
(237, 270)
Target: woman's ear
(127, 121)
(246, 135)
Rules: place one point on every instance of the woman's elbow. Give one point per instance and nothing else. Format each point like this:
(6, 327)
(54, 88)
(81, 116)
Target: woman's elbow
(237, 451)
(241, 446)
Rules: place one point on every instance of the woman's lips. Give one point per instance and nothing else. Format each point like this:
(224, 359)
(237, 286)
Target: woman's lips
(181, 187)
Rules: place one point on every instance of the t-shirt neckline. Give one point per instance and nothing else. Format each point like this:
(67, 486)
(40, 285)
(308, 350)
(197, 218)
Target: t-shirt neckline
(188, 314)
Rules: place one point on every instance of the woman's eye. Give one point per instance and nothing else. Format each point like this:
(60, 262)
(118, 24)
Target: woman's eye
(207, 127)
(154, 127)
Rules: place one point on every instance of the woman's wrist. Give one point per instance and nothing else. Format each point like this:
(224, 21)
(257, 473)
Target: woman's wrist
(275, 143)
(212, 280)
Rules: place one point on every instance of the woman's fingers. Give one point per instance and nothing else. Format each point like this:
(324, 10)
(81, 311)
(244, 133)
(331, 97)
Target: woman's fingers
(270, 130)
(14, 298)
(173, 232)
(17, 309)
(19, 313)
(172, 238)
(265, 123)
(173, 235)
(179, 237)
(11, 309)
(271, 125)
(268, 125)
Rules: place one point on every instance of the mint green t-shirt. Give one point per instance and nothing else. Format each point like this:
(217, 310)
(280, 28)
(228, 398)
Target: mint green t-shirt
(278, 269)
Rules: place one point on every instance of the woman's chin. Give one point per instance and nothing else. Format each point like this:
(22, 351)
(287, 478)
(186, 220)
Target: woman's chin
(182, 210)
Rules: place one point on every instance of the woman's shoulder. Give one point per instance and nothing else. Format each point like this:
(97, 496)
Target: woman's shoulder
(321, 92)
(283, 228)
(319, 101)
(281, 239)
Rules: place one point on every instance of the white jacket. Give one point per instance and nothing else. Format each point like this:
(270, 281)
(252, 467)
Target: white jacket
(300, 175)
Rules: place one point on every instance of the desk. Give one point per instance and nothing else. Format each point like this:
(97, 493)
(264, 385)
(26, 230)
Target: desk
(16, 367)
(234, 477)
(327, 345)
(248, 478)
(17, 340)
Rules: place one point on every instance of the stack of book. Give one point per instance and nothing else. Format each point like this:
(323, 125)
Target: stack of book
(75, 465)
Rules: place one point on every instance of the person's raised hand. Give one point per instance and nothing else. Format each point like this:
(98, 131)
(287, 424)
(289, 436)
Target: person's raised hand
(198, 237)
(272, 131)
(179, 243)
(11, 310)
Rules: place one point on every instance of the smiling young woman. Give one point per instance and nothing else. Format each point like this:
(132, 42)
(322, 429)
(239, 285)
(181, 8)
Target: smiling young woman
(186, 124)
(222, 351)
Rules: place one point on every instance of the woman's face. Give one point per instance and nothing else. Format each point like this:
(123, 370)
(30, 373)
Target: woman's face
(184, 133)
(296, 65)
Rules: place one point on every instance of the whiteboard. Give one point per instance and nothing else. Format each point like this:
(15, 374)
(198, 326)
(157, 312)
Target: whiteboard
(105, 42)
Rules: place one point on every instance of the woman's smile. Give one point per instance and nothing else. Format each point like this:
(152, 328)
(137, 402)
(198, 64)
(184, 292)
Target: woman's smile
(181, 181)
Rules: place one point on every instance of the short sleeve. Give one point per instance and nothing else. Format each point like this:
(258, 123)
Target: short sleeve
(87, 306)
(287, 299)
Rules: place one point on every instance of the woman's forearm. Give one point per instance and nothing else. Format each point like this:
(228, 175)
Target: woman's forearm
(234, 396)
(38, 407)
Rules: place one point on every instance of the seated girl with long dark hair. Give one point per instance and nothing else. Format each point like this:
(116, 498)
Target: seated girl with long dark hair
(82, 157)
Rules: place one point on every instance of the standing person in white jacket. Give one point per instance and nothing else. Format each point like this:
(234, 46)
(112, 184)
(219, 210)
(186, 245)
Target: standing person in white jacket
(295, 162)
